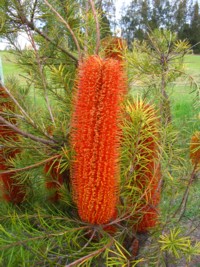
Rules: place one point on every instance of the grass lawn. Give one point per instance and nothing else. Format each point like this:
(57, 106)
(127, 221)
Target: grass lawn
(11, 70)
(9, 66)
(183, 97)
(193, 64)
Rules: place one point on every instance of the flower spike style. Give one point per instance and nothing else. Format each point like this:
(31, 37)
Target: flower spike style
(96, 138)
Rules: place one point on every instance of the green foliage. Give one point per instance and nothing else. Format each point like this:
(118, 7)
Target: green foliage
(161, 54)
(40, 232)
(120, 257)
(178, 245)
(154, 64)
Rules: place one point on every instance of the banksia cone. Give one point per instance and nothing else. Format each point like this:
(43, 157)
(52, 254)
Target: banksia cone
(6, 105)
(149, 209)
(195, 149)
(12, 191)
(145, 166)
(95, 138)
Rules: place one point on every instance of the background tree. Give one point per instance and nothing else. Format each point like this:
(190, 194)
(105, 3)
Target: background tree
(141, 17)
(181, 16)
(130, 21)
(195, 28)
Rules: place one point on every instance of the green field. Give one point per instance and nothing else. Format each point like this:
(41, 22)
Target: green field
(193, 64)
(184, 97)
(9, 64)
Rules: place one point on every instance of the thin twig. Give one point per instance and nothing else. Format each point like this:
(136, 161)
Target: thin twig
(33, 9)
(85, 246)
(21, 242)
(184, 200)
(29, 33)
(86, 28)
(32, 26)
(25, 134)
(31, 166)
(17, 104)
(47, 38)
(97, 26)
(80, 260)
(67, 25)
(25, 116)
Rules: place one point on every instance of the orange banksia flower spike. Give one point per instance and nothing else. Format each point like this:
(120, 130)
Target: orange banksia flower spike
(95, 138)
(143, 133)
(149, 170)
(12, 191)
(195, 149)
(149, 210)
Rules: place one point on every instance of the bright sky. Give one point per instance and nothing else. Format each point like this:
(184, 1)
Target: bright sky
(23, 40)
(120, 4)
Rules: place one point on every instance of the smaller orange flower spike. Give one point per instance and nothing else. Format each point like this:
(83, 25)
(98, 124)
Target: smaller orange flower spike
(195, 149)
(12, 191)
(149, 171)
(149, 210)
(143, 123)
(95, 138)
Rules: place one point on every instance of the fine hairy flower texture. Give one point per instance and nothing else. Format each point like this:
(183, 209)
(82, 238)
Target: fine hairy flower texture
(195, 149)
(141, 117)
(12, 191)
(95, 138)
